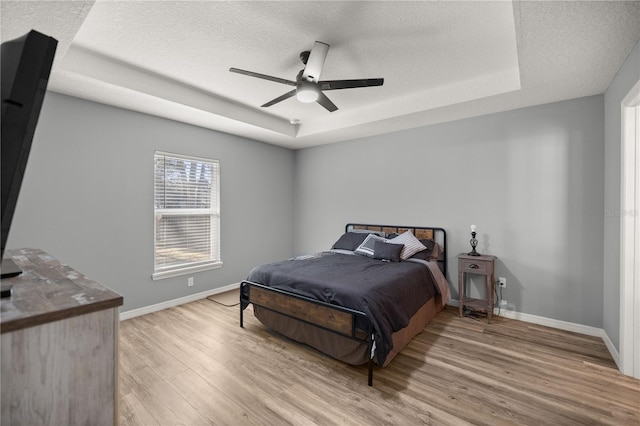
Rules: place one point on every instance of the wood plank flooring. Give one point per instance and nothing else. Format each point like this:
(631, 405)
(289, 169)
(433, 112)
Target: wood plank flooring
(194, 365)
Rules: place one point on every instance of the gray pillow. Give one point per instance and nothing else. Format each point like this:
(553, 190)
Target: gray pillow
(387, 251)
(349, 241)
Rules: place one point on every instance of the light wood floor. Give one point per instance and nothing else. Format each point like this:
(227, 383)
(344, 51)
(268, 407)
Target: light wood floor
(194, 365)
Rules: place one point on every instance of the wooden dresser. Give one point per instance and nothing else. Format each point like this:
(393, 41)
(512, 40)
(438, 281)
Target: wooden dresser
(59, 346)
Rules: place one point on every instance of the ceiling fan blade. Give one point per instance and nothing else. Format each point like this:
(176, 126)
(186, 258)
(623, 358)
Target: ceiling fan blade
(326, 102)
(263, 76)
(350, 84)
(315, 62)
(280, 98)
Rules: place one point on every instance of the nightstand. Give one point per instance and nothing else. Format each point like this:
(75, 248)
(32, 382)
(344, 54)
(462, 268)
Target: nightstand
(479, 265)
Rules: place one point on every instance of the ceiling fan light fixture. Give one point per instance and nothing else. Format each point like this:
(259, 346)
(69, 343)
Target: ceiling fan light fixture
(307, 93)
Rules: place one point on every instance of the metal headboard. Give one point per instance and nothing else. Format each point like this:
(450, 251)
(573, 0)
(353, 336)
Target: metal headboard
(439, 235)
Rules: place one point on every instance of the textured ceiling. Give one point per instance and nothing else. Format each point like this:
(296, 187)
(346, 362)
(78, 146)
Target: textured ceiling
(441, 61)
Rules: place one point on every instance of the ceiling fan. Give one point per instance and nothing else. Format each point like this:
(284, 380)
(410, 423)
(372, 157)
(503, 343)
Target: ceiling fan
(308, 86)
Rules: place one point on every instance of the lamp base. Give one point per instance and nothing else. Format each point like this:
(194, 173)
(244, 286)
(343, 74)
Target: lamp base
(473, 243)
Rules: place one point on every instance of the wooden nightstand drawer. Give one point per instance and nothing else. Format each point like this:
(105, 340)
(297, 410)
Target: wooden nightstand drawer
(475, 266)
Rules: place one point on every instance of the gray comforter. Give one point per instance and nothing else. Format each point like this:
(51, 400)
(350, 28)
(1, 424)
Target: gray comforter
(389, 293)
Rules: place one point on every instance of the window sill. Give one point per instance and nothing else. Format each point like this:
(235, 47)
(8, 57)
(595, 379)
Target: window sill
(185, 271)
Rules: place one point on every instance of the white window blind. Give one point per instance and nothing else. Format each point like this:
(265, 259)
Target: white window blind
(187, 214)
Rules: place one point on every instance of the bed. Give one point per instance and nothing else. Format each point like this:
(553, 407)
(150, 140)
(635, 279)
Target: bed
(360, 302)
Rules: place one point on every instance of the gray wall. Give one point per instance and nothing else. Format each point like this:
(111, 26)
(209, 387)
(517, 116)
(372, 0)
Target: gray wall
(627, 76)
(87, 197)
(531, 180)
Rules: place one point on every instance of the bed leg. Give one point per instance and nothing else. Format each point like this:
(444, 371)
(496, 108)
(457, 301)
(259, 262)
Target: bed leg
(242, 285)
(370, 382)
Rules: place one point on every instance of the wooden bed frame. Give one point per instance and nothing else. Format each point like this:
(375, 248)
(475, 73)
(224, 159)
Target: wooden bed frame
(333, 318)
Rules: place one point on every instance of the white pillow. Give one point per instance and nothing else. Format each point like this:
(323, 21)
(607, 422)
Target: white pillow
(368, 245)
(411, 244)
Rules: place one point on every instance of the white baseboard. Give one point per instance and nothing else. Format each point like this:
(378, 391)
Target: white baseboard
(612, 349)
(175, 302)
(554, 323)
(562, 325)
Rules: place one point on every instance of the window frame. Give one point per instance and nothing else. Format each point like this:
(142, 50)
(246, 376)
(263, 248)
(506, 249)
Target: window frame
(196, 266)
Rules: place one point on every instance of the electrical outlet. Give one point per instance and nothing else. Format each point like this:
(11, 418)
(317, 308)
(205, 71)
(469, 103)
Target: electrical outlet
(503, 281)
(190, 282)
(503, 304)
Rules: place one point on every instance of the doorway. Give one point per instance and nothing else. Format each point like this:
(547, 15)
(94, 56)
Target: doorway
(630, 235)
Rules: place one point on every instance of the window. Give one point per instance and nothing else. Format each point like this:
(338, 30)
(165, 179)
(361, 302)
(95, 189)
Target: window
(187, 215)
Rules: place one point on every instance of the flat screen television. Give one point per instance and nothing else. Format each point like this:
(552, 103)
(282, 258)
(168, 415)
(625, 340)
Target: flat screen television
(26, 65)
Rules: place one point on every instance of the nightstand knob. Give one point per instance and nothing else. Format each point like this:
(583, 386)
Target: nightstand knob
(473, 266)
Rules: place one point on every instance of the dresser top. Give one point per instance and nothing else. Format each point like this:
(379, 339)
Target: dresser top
(48, 291)
(481, 257)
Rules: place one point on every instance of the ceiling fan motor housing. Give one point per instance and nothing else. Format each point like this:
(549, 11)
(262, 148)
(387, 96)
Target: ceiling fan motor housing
(304, 56)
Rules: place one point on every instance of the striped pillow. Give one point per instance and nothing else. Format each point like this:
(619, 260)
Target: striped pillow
(411, 244)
